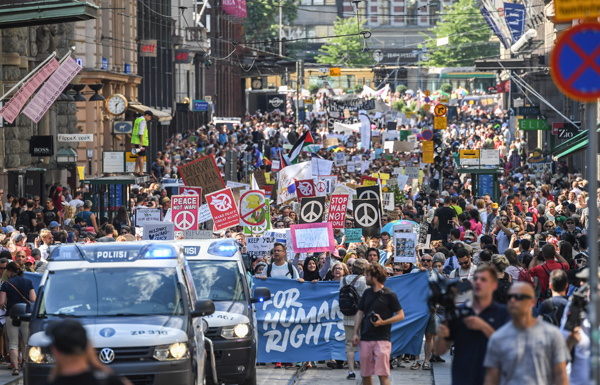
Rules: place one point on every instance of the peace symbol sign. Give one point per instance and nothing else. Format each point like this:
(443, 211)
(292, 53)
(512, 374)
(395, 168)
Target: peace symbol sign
(368, 194)
(184, 220)
(305, 188)
(363, 217)
(221, 202)
(321, 186)
(310, 213)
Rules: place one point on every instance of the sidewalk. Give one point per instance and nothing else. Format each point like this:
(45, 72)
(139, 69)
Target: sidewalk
(6, 377)
(442, 371)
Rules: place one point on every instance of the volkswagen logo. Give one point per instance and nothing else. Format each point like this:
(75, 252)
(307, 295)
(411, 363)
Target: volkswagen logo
(106, 356)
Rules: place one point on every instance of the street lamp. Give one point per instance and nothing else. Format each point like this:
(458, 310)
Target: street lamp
(66, 157)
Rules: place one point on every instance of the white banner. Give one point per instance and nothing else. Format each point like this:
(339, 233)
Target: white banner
(75, 137)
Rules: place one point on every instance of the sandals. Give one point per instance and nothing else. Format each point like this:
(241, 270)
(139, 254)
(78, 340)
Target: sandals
(415, 366)
(426, 366)
(15, 372)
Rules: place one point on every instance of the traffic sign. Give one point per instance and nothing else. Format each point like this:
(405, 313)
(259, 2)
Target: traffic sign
(440, 110)
(534, 125)
(567, 10)
(428, 146)
(208, 98)
(444, 99)
(426, 107)
(427, 93)
(336, 71)
(427, 157)
(440, 122)
(200, 105)
(573, 62)
(427, 135)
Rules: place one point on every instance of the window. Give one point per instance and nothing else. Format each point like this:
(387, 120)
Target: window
(411, 12)
(434, 12)
(384, 12)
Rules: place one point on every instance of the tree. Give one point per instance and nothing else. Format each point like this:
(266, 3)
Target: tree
(358, 88)
(313, 89)
(461, 22)
(447, 88)
(345, 50)
(401, 89)
(263, 19)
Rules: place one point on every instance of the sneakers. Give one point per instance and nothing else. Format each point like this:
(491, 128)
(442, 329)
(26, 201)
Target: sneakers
(335, 365)
(278, 365)
(351, 376)
(435, 358)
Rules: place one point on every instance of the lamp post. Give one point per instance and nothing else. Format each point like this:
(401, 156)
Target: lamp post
(90, 155)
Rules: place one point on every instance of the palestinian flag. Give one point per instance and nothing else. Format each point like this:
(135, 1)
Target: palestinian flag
(282, 162)
(303, 141)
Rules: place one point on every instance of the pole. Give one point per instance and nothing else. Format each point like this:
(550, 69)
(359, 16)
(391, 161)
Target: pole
(280, 28)
(591, 117)
(298, 85)
(512, 130)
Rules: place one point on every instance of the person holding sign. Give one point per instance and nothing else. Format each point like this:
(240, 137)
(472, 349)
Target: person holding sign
(378, 309)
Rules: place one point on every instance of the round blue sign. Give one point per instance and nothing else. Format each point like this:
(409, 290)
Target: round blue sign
(107, 332)
(427, 134)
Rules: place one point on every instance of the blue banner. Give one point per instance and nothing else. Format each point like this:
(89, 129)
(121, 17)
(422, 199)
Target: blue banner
(302, 321)
(514, 14)
(492, 23)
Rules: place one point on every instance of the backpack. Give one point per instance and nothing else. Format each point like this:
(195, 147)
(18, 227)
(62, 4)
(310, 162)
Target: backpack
(23, 219)
(524, 276)
(349, 298)
(290, 269)
(548, 293)
(502, 290)
(553, 316)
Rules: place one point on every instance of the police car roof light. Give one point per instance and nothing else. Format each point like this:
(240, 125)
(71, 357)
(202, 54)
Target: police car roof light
(67, 253)
(159, 252)
(226, 248)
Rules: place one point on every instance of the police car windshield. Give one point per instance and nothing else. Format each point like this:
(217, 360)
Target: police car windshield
(217, 280)
(111, 292)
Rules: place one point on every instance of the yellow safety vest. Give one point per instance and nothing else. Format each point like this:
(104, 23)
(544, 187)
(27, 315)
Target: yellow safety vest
(135, 135)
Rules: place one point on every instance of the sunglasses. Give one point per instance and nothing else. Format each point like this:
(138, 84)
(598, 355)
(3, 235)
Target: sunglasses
(569, 223)
(426, 260)
(390, 274)
(518, 296)
(397, 270)
(467, 263)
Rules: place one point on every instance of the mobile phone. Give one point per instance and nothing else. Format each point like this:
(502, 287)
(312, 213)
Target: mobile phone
(542, 243)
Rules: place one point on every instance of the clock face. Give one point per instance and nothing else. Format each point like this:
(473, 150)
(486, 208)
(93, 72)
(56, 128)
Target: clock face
(256, 83)
(116, 104)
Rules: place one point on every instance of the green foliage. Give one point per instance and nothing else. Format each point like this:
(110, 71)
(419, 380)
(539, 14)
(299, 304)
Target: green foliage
(399, 105)
(446, 87)
(401, 89)
(358, 88)
(468, 35)
(345, 50)
(263, 19)
(313, 88)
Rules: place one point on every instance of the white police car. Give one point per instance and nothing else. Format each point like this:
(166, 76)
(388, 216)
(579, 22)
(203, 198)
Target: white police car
(220, 275)
(138, 304)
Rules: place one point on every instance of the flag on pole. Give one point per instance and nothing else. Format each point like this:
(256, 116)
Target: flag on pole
(303, 141)
(282, 161)
(286, 178)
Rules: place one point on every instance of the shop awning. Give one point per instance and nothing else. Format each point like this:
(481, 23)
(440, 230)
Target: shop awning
(572, 150)
(161, 116)
(566, 148)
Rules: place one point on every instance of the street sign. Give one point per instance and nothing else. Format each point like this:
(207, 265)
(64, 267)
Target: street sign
(200, 105)
(573, 62)
(567, 10)
(528, 111)
(440, 110)
(428, 146)
(335, 71)
(323, 70)
(469, 157)
(534, 125)
(427, 135)
(440, 122)
(426, 107)
(427, 93)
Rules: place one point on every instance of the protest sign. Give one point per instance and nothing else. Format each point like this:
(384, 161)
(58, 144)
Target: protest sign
(204, 173)
(367, 216)
(184, 212)
(345, 190)
(146, 215)
(260, 229)
(402, 180)
(286, 188)
(369, 192)
(189, 190)
(204, 214)
(312, 237)
(368, 181)
(351, 167)
(337, 211)
(303, 322)
(353, 235)
(305, 188)
(312, 210)
(159, 231)
(223, 209)
(331, 142)
(243, 186)
(388, 201)
(259, 246)
(339, 158)
(405, 245)
(259, 177)
(253, 208)
(321, 166)
(411, 172)
(198, 234)
(423, 229)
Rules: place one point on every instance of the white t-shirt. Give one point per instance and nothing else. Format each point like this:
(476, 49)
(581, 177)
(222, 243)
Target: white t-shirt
(75, 202)
(282, 271)
(142, 127)
(468, 275)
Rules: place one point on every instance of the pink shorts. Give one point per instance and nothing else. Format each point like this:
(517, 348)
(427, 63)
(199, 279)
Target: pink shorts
(375, 358)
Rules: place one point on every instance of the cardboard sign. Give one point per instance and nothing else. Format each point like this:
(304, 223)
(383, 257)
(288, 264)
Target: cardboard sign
(204, 173)
(259, 177)
(305, 188)
(388, 201)
(184, 212)
(223, 209)
(198, 234)
(366, 216)
(331, 142)
(189, 190)
(143, 216)
(337, 210)
(253, 208)
(353, 235)
(259, 246)
(312, 210)
(159, 231)
(312, 237)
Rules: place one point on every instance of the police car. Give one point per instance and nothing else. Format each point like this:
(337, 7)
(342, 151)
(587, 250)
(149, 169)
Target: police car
(138, 304)
(220, 275)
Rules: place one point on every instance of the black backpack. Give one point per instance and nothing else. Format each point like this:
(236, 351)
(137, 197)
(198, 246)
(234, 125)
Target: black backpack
(23, 219)
(502, 290)
(290, 268)
(349, 298)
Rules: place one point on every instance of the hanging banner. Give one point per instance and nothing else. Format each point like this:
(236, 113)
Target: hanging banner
(302, 322)
(51, 90)
(13, 107)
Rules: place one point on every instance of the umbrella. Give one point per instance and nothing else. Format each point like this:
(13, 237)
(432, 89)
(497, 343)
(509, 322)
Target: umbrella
(389, 228)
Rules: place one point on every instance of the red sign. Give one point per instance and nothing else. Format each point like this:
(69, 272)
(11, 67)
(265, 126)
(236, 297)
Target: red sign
(184, 212)
(185, 190)
(337, 210)
(305, 188)
(368, 181)
(503, 87)
(223, 209)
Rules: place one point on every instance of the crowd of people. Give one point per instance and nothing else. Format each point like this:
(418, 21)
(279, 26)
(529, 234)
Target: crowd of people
(523, 252)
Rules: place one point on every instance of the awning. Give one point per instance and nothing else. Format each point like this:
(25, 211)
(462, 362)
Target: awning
(161, 116)
(27, 13)
(573, 149)
(564, 147)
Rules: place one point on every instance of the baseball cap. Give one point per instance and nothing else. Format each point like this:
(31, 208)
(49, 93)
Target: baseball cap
(68, 337)
(30, 260)
(494, 206)
(53, 225)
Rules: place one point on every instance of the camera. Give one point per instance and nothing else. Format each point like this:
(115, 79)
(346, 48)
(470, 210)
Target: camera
(578, 307)
(372, 316)
(443, 291)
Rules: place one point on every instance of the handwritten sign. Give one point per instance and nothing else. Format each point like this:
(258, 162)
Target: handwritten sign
(259, 247)
(388, 201)
(51, 90)
(204, 214)
(159, 231)
(353, 235)
(411, 172)
(146, 215)
(351, 167)
(321, 166)
(402, 180)
(197, 234)
(339, 158)
(204, 173)
(312, 237)
(337, 211)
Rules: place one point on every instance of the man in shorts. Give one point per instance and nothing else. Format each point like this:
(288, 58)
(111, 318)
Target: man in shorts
(139, 140)
(378, 309)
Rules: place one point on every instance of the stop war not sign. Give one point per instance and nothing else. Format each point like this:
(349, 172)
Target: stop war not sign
(337, 210)
(184, 212)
